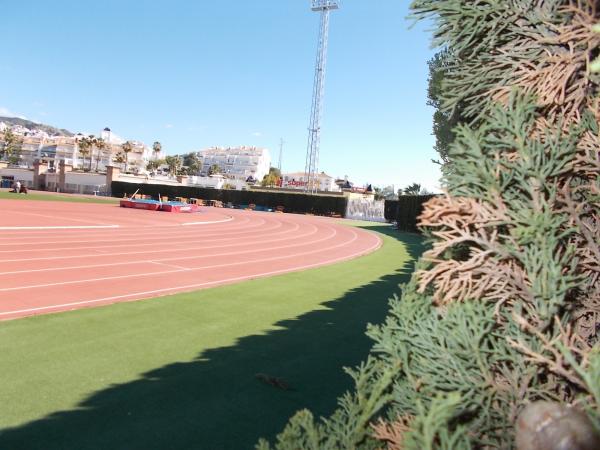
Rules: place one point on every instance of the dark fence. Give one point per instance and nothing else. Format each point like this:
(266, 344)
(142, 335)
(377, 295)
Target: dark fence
(299, 203)
(405, 211)
(390, 210)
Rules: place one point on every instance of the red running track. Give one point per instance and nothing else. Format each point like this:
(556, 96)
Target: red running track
(61, 256)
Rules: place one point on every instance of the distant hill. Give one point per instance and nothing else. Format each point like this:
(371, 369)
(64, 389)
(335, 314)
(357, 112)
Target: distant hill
(52, 131)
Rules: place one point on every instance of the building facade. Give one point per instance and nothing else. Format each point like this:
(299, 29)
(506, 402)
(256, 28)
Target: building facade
(298, 180)
(38, 145)
(239, 163)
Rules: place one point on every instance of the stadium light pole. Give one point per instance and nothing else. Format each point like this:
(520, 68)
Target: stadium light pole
(316, 111)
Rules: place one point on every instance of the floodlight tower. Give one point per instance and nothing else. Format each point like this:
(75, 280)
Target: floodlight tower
(281, 142)
(316, 111)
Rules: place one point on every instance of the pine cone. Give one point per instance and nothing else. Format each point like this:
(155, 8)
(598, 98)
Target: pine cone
(553, 426)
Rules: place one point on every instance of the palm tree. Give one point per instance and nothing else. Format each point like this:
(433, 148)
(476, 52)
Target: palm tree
(126, 147)
(92, 141)
(214, 169)
(174, 163)
(84, 144)
(155, 164)
(120, 158)
(101, 146)
(413, 189)
(156, 148)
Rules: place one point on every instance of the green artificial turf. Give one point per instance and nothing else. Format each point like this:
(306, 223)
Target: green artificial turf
(52, 197)
(179, 372)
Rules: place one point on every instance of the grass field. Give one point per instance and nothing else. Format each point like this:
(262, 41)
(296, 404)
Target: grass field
(179, 372)
(51, 196)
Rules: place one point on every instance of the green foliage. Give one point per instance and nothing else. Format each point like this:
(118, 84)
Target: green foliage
(192, 163)
(350, 426)
(275, 172)
(214, 169)
(405, 211)
(156, 148)
(100, 145)
(154, 164)
(385, 193)
(271, 179)
(175, 164)
(444, 120)
(412, 189)
(84, 145)
(126, 148)
(429, 430)
(11, 146)
(120, 158)
(504, 309)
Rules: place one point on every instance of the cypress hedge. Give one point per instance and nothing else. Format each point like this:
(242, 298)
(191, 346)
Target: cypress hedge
(495, 341)
(390, 210)
(298, 203)
(405, 211)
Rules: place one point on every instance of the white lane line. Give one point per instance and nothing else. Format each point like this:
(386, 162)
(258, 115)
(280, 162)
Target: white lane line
(120, 277)
(123, 227)
(125, 236)
(137, 240)
(178, 258)
(203, 247)
(59, 216)
(229, 219)
(126, 231)
(61, 227)
(174, 266)
(190, 287)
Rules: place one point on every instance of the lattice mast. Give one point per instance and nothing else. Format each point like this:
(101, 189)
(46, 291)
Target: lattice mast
(314, 129)
(281, 142)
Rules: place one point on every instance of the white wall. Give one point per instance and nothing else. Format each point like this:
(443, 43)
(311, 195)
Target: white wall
(365, 208)
(22, 175)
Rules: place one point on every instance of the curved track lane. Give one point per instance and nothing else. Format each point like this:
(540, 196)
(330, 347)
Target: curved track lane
(61, 256)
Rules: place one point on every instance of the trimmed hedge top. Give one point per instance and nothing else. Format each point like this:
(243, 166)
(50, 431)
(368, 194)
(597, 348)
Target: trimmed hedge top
(325, 205)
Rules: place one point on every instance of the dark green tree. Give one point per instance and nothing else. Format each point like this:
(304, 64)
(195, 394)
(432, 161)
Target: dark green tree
(101, 146)
(175, 164)
(126, 149)
(84, 144)
(120, 158)
(193, 163)
(214, 169)
(154, 164)
(412, 189)
(444, 119)
(11, 145)
(272, 178)
(513, 318)
(156, 149)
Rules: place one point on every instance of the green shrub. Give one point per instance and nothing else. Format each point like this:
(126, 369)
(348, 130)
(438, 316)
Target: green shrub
(294, 203)
(504, 309)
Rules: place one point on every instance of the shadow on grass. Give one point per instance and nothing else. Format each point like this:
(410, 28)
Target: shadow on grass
(216, 401)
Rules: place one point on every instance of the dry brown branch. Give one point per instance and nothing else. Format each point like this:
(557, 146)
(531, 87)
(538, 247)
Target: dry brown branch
(560, 76)
(392, 433)
(489, 272)
(552, 355)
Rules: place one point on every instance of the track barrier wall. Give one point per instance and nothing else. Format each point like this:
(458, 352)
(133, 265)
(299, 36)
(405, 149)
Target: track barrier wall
(300, 203)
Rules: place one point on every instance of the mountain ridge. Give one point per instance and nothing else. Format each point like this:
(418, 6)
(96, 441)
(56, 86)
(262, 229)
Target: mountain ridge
(30, 125)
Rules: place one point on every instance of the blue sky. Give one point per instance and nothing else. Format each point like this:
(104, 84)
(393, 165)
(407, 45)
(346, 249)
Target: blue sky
(198, 74)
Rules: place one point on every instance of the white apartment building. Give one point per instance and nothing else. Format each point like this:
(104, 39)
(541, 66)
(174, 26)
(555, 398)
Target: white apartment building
(238, 163)
(53, 149)
(298, 180)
